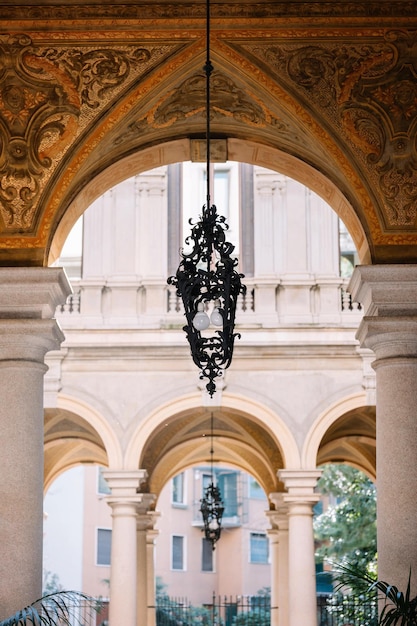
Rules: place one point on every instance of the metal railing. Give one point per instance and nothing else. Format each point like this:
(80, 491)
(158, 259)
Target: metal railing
(221, 611)
(332, 610)
(342, 610)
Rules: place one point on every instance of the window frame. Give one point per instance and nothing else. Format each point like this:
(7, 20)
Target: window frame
(179, 503)
(206, 549)
(100, 529)
(252, 536)
(183, 538)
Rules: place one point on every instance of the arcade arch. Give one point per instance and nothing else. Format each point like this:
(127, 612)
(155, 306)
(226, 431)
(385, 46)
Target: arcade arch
(344, 433)
(244, 151)
(75, 433)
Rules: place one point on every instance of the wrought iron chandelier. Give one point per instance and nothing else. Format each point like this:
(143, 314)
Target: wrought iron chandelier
(206, 279)
(212, 507)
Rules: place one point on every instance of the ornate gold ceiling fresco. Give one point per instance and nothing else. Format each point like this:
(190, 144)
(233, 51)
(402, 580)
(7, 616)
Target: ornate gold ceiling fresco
(84, 86)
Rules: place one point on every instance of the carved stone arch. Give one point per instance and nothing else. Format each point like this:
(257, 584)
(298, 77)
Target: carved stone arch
(238, 150)
(248, 435)
(76, 433)
(344, 433)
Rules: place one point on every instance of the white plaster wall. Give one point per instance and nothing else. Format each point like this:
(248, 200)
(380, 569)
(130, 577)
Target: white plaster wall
(63, 529)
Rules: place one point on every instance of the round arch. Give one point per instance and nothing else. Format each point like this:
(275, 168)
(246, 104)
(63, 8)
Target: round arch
(314, 450)
(97, 442)
(98, 422)
(238, 150)
(182, 424)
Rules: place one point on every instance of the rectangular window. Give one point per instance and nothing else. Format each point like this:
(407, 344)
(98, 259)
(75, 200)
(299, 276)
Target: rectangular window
(103, 546)
(102, 483)
(177, 552)
(207, 556)
(258, 548)
(227, 483)
(178, 495)
(255, 490)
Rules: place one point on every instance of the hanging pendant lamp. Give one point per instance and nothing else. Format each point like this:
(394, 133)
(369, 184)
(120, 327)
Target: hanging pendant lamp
(211, 505)
(207, 280)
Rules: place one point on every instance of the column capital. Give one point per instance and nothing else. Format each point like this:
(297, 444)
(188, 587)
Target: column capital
(301, 481)
(278, 516)
(125, 483)
(385, 290)
(300, 485)
(32, 292)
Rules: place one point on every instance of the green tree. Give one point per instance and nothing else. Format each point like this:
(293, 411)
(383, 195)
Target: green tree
(346, 530)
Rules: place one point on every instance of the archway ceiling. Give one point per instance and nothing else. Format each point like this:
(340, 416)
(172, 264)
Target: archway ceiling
(185, 440)
(352, 439)
(333, 84)
(69, 441)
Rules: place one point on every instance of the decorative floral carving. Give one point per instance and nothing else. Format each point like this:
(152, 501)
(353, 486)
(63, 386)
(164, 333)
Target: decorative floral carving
(178, 10)
(226, 99)
(37, 115)
(369, 92)
(188, 100)
(46, 98)
(96, 72)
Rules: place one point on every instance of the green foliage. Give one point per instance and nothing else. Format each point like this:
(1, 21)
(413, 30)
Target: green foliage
(399, 609)
(51, 583)
(56, 609)
(253, 618)
(346, 531)
(160, 588)
(169, 613)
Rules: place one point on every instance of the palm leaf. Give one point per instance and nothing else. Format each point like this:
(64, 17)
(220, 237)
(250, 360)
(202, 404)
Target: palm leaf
(399, 608)
(61, 608)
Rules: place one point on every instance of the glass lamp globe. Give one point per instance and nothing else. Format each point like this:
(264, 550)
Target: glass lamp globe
(201, 320)
(216, 317)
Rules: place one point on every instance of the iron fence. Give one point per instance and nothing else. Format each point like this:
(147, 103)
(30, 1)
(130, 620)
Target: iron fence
(332, 610)
(341, 610)
(220, 611)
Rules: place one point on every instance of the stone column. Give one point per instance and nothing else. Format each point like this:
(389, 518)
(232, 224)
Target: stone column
(301, 499)
(145, 596)
(388, 295)
(124, 499)
(28, 299)
(279, 560)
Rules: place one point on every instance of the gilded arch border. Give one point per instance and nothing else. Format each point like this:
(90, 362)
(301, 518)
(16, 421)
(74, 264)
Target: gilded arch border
(238, 150)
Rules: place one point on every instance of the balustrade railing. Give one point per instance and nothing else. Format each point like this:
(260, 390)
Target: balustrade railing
(246, 304)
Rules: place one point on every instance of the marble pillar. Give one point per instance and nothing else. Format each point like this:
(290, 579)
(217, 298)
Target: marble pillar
(278, 535)
(28, 299)
(124, 499)
(388, 295)
(146, 535)
(301, 498)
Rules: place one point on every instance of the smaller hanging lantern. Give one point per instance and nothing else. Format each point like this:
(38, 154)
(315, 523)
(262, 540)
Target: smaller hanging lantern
(212, 507)
(212, 511)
